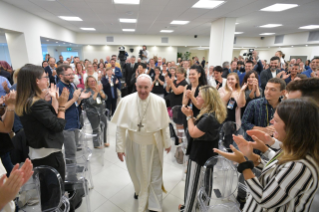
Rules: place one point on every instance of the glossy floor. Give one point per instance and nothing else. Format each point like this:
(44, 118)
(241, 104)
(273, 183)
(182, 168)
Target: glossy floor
(113, 190)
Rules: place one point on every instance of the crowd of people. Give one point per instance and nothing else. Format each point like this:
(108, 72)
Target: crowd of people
(274, 106)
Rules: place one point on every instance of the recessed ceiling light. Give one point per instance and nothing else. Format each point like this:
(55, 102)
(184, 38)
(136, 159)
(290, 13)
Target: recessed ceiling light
(207, 4)
(292, 46)
(88, 29)
(57, 42)
(166, 31)
(70, 18)
(238, 33)
(279, 7)
(180, 22)
(126, 1)
(271, 25)
(126, 20)
(236, 23)
(128, 30)
(267, 33)
(310, 27)
(47, 40)
(306, 45)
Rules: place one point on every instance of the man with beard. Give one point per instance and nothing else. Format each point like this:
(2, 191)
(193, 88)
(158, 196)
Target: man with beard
(272, 72)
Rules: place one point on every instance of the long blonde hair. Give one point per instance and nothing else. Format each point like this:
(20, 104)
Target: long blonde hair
(237, 84)
(212, 103)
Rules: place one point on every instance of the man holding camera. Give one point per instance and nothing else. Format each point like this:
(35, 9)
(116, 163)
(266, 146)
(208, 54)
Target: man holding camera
(144, 54)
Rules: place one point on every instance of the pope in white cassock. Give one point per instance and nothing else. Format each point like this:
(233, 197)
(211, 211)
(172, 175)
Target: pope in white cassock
(142, 135)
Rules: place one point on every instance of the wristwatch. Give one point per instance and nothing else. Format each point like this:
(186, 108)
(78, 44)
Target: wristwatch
(189, 117)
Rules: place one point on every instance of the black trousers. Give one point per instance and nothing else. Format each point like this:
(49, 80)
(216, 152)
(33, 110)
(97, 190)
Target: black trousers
(55, 160)
(111, 105)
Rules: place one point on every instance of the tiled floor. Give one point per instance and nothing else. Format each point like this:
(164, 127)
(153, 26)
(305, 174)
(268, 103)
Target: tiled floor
(113, 190)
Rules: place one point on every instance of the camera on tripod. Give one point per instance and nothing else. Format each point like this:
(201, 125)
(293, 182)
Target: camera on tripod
(249, 55)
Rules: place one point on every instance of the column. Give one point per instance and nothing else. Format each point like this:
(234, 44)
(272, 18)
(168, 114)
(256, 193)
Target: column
(221, 41)
(23, 49)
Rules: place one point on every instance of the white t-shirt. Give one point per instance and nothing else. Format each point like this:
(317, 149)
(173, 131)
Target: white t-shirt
(273, 74)
(10, 207)
(95, 75)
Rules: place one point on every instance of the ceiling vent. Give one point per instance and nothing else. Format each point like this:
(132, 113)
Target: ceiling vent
(164, 39)
(279, 39)
(313, 36)
(235, 40)
(110, 39)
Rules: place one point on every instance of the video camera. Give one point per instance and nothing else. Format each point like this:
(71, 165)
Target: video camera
(122, 54)
(249, 54)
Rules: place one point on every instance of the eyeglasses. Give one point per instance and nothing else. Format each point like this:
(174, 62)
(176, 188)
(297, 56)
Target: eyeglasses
(68, 75)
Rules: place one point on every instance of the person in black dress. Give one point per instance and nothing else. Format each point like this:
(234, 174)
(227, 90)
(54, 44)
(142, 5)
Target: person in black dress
(158, 82)
(204, 135)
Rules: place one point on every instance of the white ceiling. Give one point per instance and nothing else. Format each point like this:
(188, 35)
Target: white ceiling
(155, 15)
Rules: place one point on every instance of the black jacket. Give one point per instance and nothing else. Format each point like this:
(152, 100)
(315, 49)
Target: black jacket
(107, 87)
(42, 127)
(128, 72)
(48, 71)
(265, 76)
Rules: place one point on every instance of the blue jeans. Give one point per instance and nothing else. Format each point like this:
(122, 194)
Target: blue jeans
(6, 161)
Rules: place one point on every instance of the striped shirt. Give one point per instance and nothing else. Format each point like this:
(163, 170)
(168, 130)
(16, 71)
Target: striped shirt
(286, 187)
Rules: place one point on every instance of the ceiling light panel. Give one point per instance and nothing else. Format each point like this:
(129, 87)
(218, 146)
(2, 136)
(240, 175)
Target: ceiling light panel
(279, 7)
(126, 1)
(125, 20)
(238, 33)
(128, 30)
(310, 27)
(70, 18)
(267, 33)
(207, 4)
(88, 29)
(167, 31)
(271, 25)
(180, 22)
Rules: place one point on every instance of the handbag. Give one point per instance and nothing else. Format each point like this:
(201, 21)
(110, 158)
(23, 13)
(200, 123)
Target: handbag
(179, 154)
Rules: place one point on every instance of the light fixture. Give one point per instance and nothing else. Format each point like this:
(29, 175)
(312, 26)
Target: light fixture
(279, 7)
(47, 40)
(292, 46)
(271, 25)
(70, 18)
(267, 33)
(306, 45)
(126, 20)
(166, 31)
(88, 29)
(128, 30)
(238, 33)
(57, 42)
(236, 23)
(310, 27)
(126, 1)
(207, 4)
(180, 22)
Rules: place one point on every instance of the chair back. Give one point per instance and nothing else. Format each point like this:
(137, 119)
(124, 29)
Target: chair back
(225, 135)
(51, 188)
(219, 184)
(178, 115)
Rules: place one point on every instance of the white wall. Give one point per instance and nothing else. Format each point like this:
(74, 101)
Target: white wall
(91, 51)
(4, 53)
(266, 54)
(33, 27)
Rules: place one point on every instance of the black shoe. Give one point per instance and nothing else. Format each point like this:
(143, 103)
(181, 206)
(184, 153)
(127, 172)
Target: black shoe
(78, 148)
(135, 196)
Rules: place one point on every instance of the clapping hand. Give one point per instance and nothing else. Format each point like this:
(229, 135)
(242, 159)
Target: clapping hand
(10, 98)
(64, 97)
(117, 81)
(187, 111)
(261, 136)
(285, 76)
(168, 80)
(244, 86)
(85, 95)
(54, 91)
(255, 84)
(235, 156)
(5, 85)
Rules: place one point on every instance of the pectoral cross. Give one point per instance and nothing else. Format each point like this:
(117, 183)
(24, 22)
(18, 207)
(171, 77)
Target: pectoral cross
(140, 125)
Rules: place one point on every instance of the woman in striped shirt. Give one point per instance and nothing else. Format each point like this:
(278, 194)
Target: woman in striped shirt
(289, 180)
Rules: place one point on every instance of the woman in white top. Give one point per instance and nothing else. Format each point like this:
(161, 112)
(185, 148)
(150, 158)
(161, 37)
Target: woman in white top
(281, 56)
(289, 180)
(90, 72)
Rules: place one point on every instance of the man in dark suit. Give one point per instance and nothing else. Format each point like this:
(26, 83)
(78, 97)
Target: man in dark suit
(54, 78)
(129, 70)
(272, 72)
(258, 64)
(49, 69)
